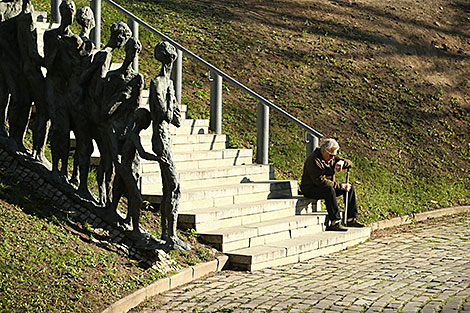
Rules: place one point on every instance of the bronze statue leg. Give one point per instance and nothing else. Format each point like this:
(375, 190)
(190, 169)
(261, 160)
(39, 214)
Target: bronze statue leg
(170, 200)
(4, 99)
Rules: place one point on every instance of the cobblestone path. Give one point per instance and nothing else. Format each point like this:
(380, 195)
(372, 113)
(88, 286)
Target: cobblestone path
(424, 269)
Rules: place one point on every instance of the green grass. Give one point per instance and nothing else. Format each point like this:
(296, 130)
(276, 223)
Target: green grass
(52, 262)
(386, 194)
(60, 284)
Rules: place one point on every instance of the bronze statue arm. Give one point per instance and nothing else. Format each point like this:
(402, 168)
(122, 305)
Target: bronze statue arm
(143, 154)
(176, 117)
(33, 51)
(96, 63)
(116, 99)
(173, 107)
(50, 51)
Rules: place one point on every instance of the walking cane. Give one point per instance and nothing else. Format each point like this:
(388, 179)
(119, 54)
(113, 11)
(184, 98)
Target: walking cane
(346, 201)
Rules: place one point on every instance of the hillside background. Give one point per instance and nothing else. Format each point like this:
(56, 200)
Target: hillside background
(388, 79)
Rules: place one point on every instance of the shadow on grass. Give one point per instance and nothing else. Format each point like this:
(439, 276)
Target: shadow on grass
(32, 203)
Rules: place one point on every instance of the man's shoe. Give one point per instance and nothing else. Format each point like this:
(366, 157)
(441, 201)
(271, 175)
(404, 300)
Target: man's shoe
(336, 227)
(354, 223)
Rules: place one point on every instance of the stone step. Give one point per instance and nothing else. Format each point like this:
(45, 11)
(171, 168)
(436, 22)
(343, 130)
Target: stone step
(43, 26)
(238, 193)
(187, 143)
(40, 16)
(296, 249)
(188, 139)
(188, 127)
(259, 234)
(188, 160)
(202, 197)
(203, 159)
(151, 182)
(145, 104)
(114, 66)
(146, 93)
(221, 216)
(146, 96)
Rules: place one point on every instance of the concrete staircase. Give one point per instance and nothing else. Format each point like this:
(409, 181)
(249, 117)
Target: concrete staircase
(237, 206)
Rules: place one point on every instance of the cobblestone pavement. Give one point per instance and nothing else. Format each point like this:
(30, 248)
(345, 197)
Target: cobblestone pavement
(425, 268)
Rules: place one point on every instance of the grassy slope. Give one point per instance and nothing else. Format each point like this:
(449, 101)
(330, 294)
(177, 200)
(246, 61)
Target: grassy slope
(52, 263)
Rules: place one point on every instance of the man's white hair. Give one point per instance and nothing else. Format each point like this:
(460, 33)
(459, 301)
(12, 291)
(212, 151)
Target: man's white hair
(329, 145)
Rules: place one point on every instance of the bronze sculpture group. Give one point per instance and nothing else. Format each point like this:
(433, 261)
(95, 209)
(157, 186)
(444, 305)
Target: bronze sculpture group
(80, 94)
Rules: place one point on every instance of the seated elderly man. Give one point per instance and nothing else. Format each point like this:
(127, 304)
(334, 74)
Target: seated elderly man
(318, 182)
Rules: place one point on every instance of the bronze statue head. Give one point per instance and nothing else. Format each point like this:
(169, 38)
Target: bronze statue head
(165, 52)
(142, 119)
(67, 11)
(86, 19)
(120, 34)
(133, 47)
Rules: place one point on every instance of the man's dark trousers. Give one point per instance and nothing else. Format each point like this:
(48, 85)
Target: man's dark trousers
(329, 194)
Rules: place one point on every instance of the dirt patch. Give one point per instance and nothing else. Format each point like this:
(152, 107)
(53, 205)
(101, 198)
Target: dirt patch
(429, 37)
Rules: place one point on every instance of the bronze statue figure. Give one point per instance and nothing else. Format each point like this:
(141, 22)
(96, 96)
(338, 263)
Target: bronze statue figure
(165, 111)
(32, 63)
(60, 51)
(17, 41)
(93, 79)
(125, 182)
(79, 109)
(122, 94)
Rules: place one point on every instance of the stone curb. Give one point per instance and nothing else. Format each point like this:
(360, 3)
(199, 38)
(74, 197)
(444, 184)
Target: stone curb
(182, 277)
(408, 219)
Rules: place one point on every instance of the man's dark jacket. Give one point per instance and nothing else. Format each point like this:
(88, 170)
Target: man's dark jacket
(318, 173)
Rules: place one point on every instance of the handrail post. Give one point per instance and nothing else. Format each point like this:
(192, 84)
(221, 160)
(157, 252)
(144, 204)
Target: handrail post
(177, 75)
(262, 135)
(311, 142)
(96, 32)
(216, 103)
(55, 12)
(134, 26)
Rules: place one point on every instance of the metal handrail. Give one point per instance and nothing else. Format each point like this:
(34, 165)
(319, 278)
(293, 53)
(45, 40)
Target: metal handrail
(215, 69)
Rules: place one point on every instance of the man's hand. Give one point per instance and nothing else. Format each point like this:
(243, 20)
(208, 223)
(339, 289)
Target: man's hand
(346, 187)
(339, 166)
